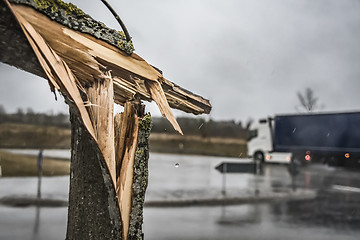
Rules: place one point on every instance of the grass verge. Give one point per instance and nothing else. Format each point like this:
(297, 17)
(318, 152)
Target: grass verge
(168, 143)
(15, 135)
(14, 165)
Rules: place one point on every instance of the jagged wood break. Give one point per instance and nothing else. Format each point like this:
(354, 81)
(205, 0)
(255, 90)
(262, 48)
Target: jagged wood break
(88, 56)
(132, 130)
(93, 67)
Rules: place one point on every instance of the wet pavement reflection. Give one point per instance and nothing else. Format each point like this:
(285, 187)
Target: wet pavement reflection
(333, 214)
(250, 221)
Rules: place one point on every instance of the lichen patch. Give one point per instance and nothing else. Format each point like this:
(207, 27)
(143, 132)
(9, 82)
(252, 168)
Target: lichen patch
(71, 16)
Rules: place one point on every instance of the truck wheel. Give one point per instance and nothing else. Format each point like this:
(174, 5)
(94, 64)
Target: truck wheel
(297, 161)
(259, 156)
(293, 168)
(300, 160)
(333, 162)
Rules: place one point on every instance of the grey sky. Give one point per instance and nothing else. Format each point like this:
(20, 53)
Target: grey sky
(249, 57)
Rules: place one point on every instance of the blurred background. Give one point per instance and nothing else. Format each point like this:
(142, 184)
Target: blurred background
(253, 59)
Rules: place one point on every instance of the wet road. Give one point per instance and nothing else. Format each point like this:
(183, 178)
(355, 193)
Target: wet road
(333, 214)
(337, 202)
(244, 222)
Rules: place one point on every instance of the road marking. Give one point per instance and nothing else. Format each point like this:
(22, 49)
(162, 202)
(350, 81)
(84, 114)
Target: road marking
(346, 188)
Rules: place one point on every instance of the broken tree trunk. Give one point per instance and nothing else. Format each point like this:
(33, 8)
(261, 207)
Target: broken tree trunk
(98, 209)
(93, 207)
(108, 176)
(132, 130)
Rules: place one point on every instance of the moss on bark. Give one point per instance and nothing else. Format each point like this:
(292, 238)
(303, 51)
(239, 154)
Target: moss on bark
(140, 181)
(71, 16)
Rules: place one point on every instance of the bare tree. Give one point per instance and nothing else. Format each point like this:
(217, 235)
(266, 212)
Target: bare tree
(249, 121)
(2, 110)
(308, 101)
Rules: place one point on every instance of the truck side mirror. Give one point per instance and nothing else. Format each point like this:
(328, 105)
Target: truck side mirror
(263, 121)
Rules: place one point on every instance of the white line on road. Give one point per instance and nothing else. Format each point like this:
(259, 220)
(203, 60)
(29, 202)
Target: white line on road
(346, 188)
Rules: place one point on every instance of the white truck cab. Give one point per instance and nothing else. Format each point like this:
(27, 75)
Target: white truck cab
(260, 145)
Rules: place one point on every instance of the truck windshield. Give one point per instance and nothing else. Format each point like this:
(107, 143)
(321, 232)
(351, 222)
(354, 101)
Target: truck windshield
(252, 134)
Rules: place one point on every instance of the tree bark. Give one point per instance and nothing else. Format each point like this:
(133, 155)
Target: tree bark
(94, 211)
(132, 130)
(140, 180)
(15, 50)
(93, 207)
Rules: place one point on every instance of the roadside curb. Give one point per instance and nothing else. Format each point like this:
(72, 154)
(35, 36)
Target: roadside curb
(26, 201)
(261, 198)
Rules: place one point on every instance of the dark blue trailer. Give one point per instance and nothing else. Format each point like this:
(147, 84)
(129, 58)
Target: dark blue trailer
(327, 137)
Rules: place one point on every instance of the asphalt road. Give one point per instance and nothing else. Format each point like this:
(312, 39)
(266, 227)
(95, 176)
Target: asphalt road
(332, 215)
(337, 203)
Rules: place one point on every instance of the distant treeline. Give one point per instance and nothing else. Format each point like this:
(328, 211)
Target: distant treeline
(30, 117)
(189, 126)
(201, 127)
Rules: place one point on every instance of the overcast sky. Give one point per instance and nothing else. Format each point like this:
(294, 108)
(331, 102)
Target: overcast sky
(249, 57)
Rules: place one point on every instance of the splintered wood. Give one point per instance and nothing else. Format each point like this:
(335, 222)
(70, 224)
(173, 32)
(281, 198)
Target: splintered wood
(126, 141)
(101, 107)
(158, 95)
(90, 58)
